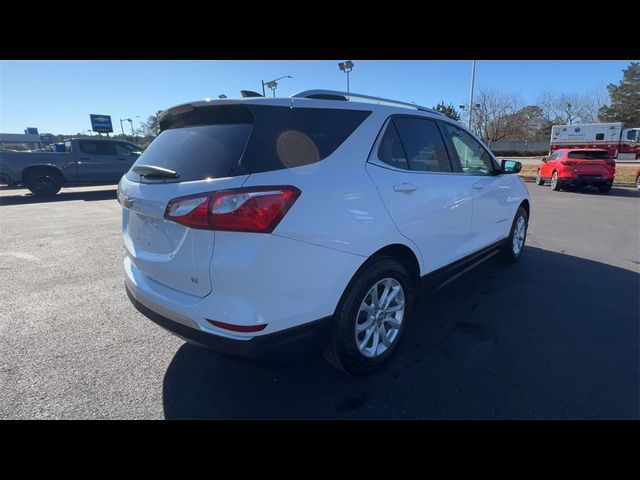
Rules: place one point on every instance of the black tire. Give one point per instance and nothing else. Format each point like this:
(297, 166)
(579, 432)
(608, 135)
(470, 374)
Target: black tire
(342, 351)
(638, 182)
(539, 180)
(44, 183)
(555, 181)
(605, 188)
(508, 253)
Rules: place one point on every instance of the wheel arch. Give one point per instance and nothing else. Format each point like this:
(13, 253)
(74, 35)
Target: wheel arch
(527, 207)
(399, 251)
(41, 167)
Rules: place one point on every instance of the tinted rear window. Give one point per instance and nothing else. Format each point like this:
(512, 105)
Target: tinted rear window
(230, 140)
(589, 155)
(197, 153)
(97, 147)
(309, 135)
(423, 144)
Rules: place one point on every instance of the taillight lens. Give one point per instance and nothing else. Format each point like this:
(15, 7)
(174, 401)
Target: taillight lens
(568, 163)
(253, 209)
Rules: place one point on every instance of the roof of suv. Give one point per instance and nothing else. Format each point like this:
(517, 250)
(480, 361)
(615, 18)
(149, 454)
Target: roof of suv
(336, 98)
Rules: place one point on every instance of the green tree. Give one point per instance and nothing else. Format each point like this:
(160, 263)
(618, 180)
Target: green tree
(624, 98)
(449, 110)
(151, 128)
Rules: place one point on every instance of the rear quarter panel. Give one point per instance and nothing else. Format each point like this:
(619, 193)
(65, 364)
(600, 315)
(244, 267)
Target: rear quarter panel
(339, 207)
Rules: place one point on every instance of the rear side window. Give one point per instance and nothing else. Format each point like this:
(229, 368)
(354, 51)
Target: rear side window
(390, 150)
(308, 136)
(589, 154)
(423, 145)
(97, 148)
(599, 136)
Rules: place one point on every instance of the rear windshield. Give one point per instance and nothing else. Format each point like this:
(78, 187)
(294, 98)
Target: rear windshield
(198, 153)
(231, 140)
(589, 155)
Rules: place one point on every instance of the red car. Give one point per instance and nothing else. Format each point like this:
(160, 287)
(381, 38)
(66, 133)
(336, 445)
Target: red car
(570, 167)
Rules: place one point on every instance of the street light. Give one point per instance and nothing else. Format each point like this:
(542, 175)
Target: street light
(131, 125)
(346, 67)
(272, 85)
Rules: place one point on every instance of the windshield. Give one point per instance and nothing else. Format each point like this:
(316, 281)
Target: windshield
(589, 154)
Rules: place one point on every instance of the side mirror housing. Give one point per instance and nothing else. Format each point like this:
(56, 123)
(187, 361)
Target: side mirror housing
(544, 159)
(510, 166)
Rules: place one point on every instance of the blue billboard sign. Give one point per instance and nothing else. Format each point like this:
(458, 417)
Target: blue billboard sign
(101, 123)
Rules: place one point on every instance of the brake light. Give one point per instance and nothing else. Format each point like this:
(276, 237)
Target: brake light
(568, 163)
(253, 209)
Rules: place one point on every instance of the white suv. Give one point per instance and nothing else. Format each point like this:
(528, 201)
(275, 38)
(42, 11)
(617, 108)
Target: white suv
(264, 227)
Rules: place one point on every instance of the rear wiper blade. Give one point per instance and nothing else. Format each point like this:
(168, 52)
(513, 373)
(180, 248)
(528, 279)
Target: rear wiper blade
(153, 171)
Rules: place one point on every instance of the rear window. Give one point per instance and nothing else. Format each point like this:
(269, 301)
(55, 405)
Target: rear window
(97, 147)
(231, 140)
(589, 155)
(197, 153)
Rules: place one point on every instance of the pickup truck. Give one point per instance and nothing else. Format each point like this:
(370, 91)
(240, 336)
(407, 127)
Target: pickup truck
(85, 161)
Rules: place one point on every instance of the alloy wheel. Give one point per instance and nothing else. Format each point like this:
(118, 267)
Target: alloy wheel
(379, 317)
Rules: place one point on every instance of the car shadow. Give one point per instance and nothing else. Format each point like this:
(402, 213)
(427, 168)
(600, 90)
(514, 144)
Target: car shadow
(628, 192)
(554, 336)
(87, 196)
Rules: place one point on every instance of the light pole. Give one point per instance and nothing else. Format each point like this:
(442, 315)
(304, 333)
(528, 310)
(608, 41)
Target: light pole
(272, 85)
(473, 79)
(346, 67)
(130, 124)
(462, 107)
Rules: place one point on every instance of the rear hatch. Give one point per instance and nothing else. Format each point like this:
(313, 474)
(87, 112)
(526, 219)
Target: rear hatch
(211, 146)
(591, 162)
(204, 154)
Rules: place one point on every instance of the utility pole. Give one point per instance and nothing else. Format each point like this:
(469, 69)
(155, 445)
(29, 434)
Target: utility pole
(473, 79)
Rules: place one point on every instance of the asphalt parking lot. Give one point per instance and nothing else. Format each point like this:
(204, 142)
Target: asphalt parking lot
(555, 336)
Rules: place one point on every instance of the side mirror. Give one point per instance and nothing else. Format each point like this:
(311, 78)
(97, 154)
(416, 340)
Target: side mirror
(510, 166)
(544, 159)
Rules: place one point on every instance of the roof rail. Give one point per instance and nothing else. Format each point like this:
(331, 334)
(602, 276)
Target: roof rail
(335, 94)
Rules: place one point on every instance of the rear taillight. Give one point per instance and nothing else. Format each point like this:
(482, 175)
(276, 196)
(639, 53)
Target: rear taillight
(568, 163)
(253, 209)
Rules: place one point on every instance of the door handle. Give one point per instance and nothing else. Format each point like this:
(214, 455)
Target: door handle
(404, 188)
(477, 186)
(122, 159)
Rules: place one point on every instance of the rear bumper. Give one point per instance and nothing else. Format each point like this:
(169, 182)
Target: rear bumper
(280, 347)
(584, 180)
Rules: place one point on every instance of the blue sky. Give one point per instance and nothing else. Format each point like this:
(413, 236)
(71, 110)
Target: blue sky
(58, 96)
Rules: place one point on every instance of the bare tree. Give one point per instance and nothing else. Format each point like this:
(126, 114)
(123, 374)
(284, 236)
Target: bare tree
(570, 108)
(494, 119)
(592, 103)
